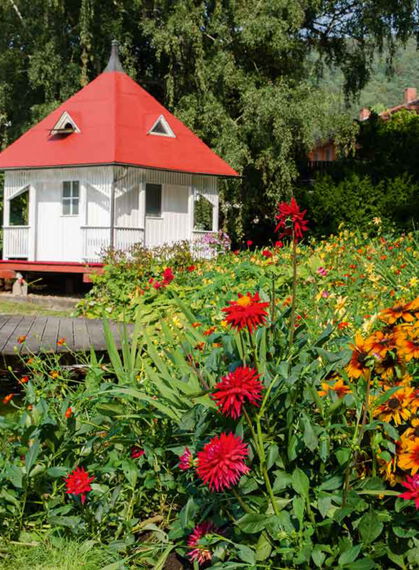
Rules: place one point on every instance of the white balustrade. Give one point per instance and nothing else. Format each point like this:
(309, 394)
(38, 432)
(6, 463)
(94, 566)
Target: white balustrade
(15, 242)
(96, 240)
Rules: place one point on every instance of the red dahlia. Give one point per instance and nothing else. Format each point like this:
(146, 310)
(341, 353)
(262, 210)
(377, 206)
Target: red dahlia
(236, 389)
(198, 553)
(221, 463)
(411, 483)
(136, 452)
(291, 220)
(247, 312)
(78, 483)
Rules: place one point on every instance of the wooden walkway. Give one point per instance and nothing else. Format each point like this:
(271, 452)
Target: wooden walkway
(46, 334)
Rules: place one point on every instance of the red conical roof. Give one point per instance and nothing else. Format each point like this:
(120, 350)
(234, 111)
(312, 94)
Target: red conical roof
(114, 115)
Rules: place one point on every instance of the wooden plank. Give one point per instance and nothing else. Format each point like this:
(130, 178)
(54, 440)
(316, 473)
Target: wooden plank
(49, 338)
(81, 338)
(11, 331)
(35, 334)
(97, 337)
(66, 333)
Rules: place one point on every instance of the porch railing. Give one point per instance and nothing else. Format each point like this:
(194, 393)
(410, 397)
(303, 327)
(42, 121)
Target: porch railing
(96, 240)
(15, 241)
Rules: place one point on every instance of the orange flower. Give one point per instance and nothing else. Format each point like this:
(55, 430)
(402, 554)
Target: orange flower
(357, 366)
(399, 311)
(21, 339)
(400, 407)
(339, 387)
(61, 341)
(343, 325)
(7, 398)
(388, 366)
(209, 331)
(54, 374)
(196, 325)
(409, 457)
(68, 412)
(408, 343)
(388, 471)
(380, 342)
(410, 434)
(24, 379)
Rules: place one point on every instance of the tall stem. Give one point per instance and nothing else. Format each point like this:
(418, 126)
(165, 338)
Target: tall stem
(264, 468)
(294, 287)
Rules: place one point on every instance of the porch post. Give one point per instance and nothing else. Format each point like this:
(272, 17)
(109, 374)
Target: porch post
(6, 221)
(215, 214)
(32, 223)
(191, 209)
(112, 213)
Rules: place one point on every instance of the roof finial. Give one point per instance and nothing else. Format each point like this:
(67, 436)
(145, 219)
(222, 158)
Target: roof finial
(114, 63)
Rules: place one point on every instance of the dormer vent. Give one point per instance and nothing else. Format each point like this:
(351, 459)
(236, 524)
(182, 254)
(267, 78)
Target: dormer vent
(162, 128)
(64, 126)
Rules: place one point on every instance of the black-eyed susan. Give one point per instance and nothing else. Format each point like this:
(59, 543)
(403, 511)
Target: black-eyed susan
(359, 363)
(339, 387)
(399, 407)
(408, 460)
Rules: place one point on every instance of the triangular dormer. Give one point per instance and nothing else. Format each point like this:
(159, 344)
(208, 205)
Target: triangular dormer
(162, 128)
(65, 125)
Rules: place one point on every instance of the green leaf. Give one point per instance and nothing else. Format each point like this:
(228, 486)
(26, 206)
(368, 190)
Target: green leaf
(57, 472)
(318, 557)
(246, 554)
(71, 522)
(32, 455)
(370, 527)
(263, 548)
(252, 523)
(130, 471)
(363, 564)
(349, 555)
(188, 513)
(300, 482)
(331, 484)
(15, 475)
(310, 438)
(273, 454)
(298, 507)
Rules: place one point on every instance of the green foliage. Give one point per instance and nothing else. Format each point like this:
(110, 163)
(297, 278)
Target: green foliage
(239, 74)
(355, 201)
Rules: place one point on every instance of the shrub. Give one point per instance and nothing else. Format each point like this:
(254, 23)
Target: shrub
(356, 200)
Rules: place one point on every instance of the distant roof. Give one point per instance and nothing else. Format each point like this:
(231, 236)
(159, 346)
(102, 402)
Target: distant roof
(118, 123)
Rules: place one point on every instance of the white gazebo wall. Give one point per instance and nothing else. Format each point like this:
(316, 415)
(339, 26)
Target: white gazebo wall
(54, 237)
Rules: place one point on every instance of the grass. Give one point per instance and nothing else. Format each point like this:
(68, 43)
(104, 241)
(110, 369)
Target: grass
(18, 308)
(57, 554)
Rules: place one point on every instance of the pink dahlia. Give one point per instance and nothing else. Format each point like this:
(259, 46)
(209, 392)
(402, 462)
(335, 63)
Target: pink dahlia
(411, 483)
(198, 553)
(221, 463)
(236, 389)
(186, 460)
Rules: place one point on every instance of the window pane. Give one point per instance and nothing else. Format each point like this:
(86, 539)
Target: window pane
(202, 213)
(66, 207)
(76, 189)
(153, 200)
(75, 203)
(66, 189)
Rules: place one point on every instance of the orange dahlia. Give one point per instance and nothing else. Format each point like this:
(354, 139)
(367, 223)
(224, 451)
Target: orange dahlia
(247, 312)
(221, 463)
(236, 389)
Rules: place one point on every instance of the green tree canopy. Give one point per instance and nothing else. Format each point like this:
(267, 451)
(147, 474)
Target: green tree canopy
(238, 72)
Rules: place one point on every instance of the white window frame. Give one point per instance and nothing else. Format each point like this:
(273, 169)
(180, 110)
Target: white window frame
(169, 133)
(72, 199)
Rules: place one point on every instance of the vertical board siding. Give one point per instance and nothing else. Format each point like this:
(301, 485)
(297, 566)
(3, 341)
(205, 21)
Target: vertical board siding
(54, 237)
(16, 241)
